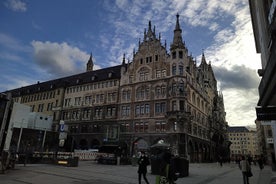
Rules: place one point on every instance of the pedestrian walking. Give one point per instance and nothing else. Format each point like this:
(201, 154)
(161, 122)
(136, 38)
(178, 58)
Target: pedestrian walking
(246, 170)
(220, 161)
(27, 154)
(142, 169)
(261, 162)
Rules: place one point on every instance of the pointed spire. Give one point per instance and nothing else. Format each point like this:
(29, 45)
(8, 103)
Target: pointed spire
(124, 59)
(177, 37)
(203, 60)
(177, 26)
(145, 35)
(149, 26)
(150, 35)
(90, 63)
(160, 36)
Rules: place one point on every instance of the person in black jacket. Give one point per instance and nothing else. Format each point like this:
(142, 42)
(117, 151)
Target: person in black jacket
(142, 169)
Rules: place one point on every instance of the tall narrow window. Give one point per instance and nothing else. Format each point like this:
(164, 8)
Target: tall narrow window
(180, 70)
(180, 54)
(156, 57)
(174, 70)
(174, 55)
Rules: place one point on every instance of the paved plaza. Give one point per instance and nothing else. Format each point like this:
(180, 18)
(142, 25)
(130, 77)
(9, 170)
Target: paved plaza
(92, 173)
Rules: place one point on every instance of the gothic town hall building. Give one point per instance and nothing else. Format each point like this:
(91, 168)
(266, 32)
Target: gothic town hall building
(157, 96)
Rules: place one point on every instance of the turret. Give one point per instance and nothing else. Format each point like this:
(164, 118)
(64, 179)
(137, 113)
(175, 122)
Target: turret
(90, 64)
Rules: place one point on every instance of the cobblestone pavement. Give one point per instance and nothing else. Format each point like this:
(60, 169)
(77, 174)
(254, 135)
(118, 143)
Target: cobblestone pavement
(91, 173)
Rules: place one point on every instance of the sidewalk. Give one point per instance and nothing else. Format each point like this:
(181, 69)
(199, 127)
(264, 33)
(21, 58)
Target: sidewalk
(91, 173)
(265, 175)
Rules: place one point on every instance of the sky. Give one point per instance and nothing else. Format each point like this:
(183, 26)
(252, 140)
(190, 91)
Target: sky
(45, 40)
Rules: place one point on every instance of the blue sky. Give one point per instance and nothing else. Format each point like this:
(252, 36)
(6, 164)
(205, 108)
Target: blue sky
(44, 40)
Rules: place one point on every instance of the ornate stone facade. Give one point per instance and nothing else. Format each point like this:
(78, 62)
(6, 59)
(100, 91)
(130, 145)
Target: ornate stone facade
(158, 96)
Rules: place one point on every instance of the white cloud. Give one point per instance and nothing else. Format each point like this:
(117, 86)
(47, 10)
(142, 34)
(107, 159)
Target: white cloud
(16, 5)
(240, 106)
(8, 42)
(60, 59)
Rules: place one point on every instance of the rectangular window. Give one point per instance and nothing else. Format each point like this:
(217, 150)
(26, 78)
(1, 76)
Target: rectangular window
(158, 74)
(163, 107)
(141, 127)
(174, 55)
(78, 101)
(163, 126)
(180, 54)
(160, 107)
(173, 70)
(163, 73)
(131, 79)
(181, 105)
(88, 100)
(136, 127)
(157, 126)
(142, 109)
(156, 57)
(125, 111)
(146, 127)
(181, 70)
(174, 106)
(157, 108)
(147, 108)
(40, 107)
(67, 102)
(137, 110)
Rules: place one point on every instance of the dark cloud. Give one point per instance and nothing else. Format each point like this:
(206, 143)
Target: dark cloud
(237, 77)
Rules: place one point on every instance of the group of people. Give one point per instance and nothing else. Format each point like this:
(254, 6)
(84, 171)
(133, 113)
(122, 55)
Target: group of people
(167, 169)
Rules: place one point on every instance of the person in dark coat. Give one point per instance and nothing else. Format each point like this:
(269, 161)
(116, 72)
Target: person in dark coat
(142, 169)
(167, 167)
(261, 162)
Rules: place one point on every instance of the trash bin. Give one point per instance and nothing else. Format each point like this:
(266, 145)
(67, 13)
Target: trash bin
(73, 162)
(181, 166)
